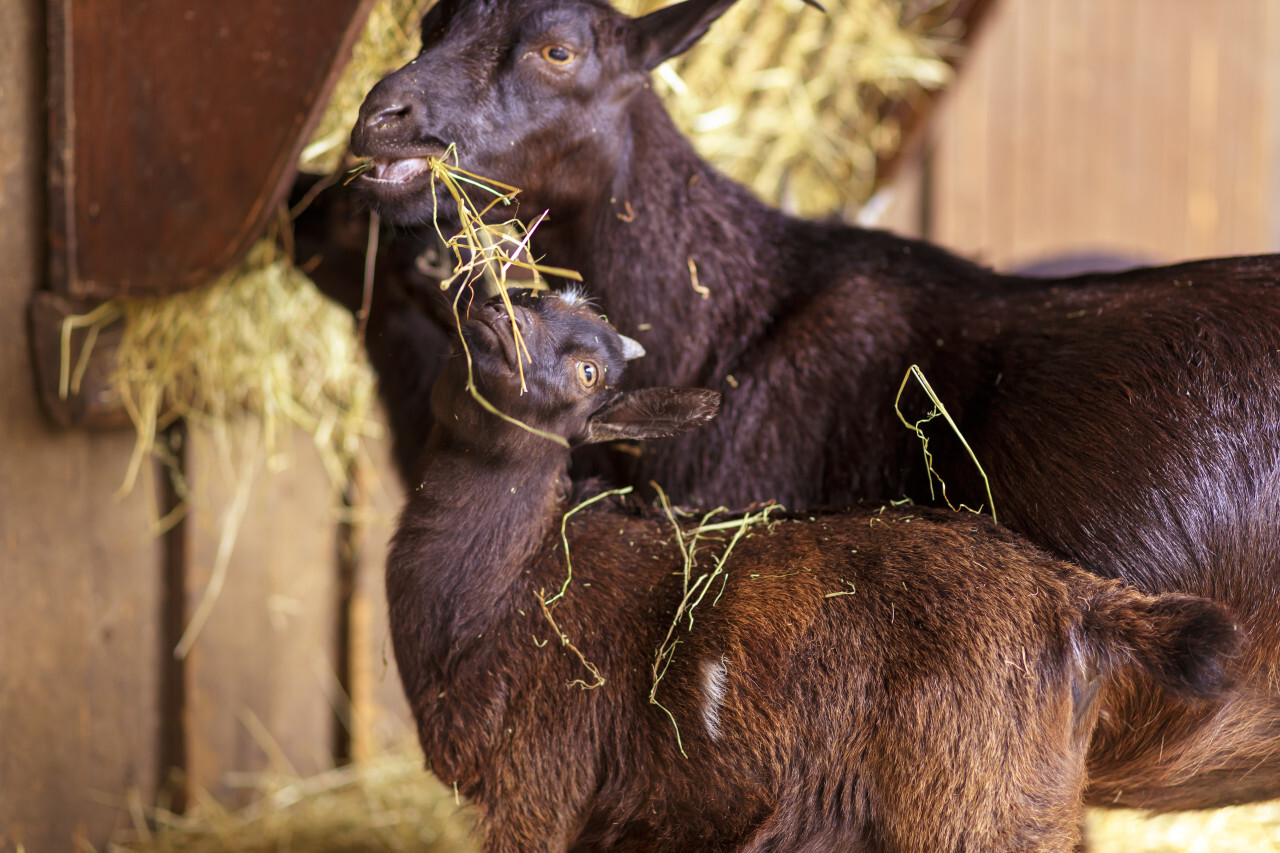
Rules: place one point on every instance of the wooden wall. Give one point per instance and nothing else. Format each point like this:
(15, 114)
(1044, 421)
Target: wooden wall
(94, 708)
(1143, 127)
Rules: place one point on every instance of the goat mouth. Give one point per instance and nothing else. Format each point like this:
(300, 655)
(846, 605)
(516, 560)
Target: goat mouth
(396, 172)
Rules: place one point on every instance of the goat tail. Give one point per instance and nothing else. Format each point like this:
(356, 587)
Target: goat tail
(1184, 642)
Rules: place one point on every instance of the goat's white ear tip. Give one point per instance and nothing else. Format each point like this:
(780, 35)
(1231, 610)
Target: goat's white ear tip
(631, 348)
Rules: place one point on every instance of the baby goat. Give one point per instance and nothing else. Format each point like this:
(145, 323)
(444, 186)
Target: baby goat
(1129, 422)
(896, 680)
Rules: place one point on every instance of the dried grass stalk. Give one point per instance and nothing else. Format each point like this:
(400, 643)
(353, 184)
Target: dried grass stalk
(939, 411)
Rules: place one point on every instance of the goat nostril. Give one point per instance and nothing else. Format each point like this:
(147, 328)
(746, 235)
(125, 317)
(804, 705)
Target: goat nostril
(522, 317)
(390, 114)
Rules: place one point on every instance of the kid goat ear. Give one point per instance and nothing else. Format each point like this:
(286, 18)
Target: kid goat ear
(653, 413)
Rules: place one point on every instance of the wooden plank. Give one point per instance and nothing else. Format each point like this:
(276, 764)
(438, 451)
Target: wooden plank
(1000, 84)
(1146, 128)
(78, 697)
(260, 674)
(175, 129)
(958, 209)
(903, 212)
(77, 691)
(381, 717)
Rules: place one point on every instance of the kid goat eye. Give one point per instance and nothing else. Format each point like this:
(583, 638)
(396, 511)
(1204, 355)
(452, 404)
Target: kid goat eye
(557, 54)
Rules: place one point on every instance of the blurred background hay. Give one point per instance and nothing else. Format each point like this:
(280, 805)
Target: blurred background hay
(805, 107)
(389, 40)
(387, 804)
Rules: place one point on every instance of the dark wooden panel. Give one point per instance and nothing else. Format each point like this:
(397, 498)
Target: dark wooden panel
(260, 674)
(381, 715)
(175, 127)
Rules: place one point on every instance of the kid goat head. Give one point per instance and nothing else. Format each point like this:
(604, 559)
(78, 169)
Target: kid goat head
(551, 365)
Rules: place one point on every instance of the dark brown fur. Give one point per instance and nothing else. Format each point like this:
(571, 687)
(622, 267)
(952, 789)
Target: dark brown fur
(941, 700)
(1129, 421)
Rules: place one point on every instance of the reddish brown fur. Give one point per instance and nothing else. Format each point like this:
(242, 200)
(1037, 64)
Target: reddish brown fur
(944, 704)
(1130, 421)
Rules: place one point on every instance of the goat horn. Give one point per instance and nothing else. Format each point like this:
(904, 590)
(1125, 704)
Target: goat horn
(631, 348)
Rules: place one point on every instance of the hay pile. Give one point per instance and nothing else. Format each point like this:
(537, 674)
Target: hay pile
(260, 341)
(799, 105)
(380, 806)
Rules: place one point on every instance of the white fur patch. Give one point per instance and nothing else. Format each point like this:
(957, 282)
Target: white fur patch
(574, 295)
(714, 675)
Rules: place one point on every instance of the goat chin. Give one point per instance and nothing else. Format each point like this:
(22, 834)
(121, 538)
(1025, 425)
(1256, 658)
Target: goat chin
(1128, 421)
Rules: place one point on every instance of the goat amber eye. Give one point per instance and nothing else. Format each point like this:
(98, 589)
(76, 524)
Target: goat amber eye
(588, 373)
(557, 54)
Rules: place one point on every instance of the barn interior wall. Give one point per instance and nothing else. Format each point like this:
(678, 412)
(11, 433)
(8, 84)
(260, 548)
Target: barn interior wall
(1147, 129)
(79, 568)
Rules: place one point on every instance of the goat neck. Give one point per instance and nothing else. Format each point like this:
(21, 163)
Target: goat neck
(464, 536)
(696, 242)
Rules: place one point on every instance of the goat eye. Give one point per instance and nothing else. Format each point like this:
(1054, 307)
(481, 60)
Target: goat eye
(588, 373)
(557, 54)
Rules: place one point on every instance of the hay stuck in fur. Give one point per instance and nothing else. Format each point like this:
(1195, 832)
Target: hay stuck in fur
(940, 411)
(694, 589)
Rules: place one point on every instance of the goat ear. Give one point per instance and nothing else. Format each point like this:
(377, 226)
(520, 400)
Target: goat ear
(653, 413)
(672, 30)
(631, 348)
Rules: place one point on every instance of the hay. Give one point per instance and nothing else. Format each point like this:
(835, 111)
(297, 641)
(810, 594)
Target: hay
(1229, 830)
(800, 106)
(261, 342)
(386, 804)
(694, 590)
(939, 411)
(260, 346)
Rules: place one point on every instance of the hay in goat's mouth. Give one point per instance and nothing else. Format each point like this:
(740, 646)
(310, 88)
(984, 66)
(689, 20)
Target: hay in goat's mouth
(484, 254)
